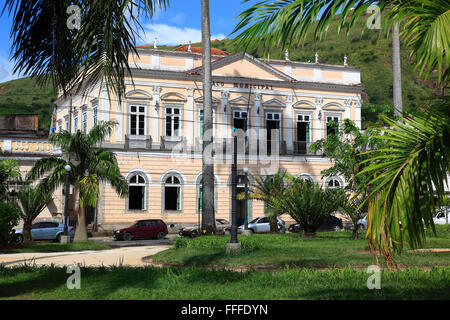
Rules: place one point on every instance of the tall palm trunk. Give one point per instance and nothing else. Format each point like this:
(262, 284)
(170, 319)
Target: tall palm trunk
(27, 230)
(396, 71)
(208, 219)
(80, 230)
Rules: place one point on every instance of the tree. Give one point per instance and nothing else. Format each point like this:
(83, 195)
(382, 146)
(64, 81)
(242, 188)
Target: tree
(346, 148)
(308, 204)
(9, 171)
(268, 189)
(9, 217)
(409, 175)
(355, 208)
(73, 47)
(89, 164)
(284, 23)
(208, 216)
(32, 200)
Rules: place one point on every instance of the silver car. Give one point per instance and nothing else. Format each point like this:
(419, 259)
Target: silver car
(262, 225)
(46, 230)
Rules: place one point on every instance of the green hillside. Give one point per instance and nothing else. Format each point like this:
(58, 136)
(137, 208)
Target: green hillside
(370, 50)
(24, 96)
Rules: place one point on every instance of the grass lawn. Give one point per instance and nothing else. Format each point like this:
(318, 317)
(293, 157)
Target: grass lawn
(328, 249)
(55, 247)
(195, 283)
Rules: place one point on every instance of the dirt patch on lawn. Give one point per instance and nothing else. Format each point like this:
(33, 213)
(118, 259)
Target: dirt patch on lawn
(437, 250)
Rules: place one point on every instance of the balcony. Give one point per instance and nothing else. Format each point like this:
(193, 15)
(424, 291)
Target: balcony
(170, 142)
(138, 141)
(302, 148)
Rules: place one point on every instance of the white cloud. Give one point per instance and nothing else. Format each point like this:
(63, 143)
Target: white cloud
(170, 35)
(6, 68)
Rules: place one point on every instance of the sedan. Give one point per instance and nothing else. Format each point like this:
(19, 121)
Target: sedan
(329, 224)
(45, 230)
(221, 226)
(262, 225)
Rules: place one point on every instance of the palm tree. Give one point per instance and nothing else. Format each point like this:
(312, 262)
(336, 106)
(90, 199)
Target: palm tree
(268, 189)
(283, 23)
(355, 208)
(74, 48)
(409, 175)
(208, 219)
(308, 204)
(89, 164)
(9, 170)
(32, 200)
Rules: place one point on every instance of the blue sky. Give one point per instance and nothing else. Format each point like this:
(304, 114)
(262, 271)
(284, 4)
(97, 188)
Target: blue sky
(177, 24)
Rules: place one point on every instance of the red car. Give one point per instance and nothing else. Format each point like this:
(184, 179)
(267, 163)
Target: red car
(142, 229)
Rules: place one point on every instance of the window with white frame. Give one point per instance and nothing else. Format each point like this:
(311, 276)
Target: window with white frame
(136, 192)
(333, 183)
(137, 120)
(332, 124)
(67, 124)
(202, 121)
(95, 114)
(172, 121)
(303, 133)
(172, 193)
(75, 123)
(84, 121)
(240, 118)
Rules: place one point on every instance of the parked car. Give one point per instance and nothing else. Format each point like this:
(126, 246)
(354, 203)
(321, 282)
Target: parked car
(45, 230)
(261, 225)
(329, 224)
(363, 223)
(142, 229)
(221, 225)
(440, 216)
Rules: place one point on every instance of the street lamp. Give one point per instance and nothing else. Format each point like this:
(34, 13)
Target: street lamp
(246, 198)
(66, 207)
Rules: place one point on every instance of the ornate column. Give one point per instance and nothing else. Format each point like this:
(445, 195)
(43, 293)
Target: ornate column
(288, 124)
(257, 114)
(347, 106)
(155, 117)
(358, 113)
(318, 118)
(223, 114)
(190, 117)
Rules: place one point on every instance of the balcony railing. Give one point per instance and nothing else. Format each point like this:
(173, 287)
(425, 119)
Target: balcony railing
(302, 148)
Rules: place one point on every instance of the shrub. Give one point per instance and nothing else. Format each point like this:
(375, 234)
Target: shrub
(9, 217)
(214, 242)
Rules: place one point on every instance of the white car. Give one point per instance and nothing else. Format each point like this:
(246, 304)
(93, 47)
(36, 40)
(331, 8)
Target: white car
(363, 223)
(261, 225)
(441, 216)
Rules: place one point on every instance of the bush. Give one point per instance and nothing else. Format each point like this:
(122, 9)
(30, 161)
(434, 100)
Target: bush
(214, 242)
(9, 218)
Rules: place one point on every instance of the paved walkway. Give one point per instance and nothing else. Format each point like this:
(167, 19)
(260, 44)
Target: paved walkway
(131, 256)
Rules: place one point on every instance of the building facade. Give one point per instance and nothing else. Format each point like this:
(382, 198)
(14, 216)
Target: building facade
(21, 140)
(282, 105)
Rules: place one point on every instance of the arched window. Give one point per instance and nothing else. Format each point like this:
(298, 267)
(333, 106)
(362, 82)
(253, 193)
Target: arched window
(333, 183)
(172, 193)
(136, 192)
(305, 176)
